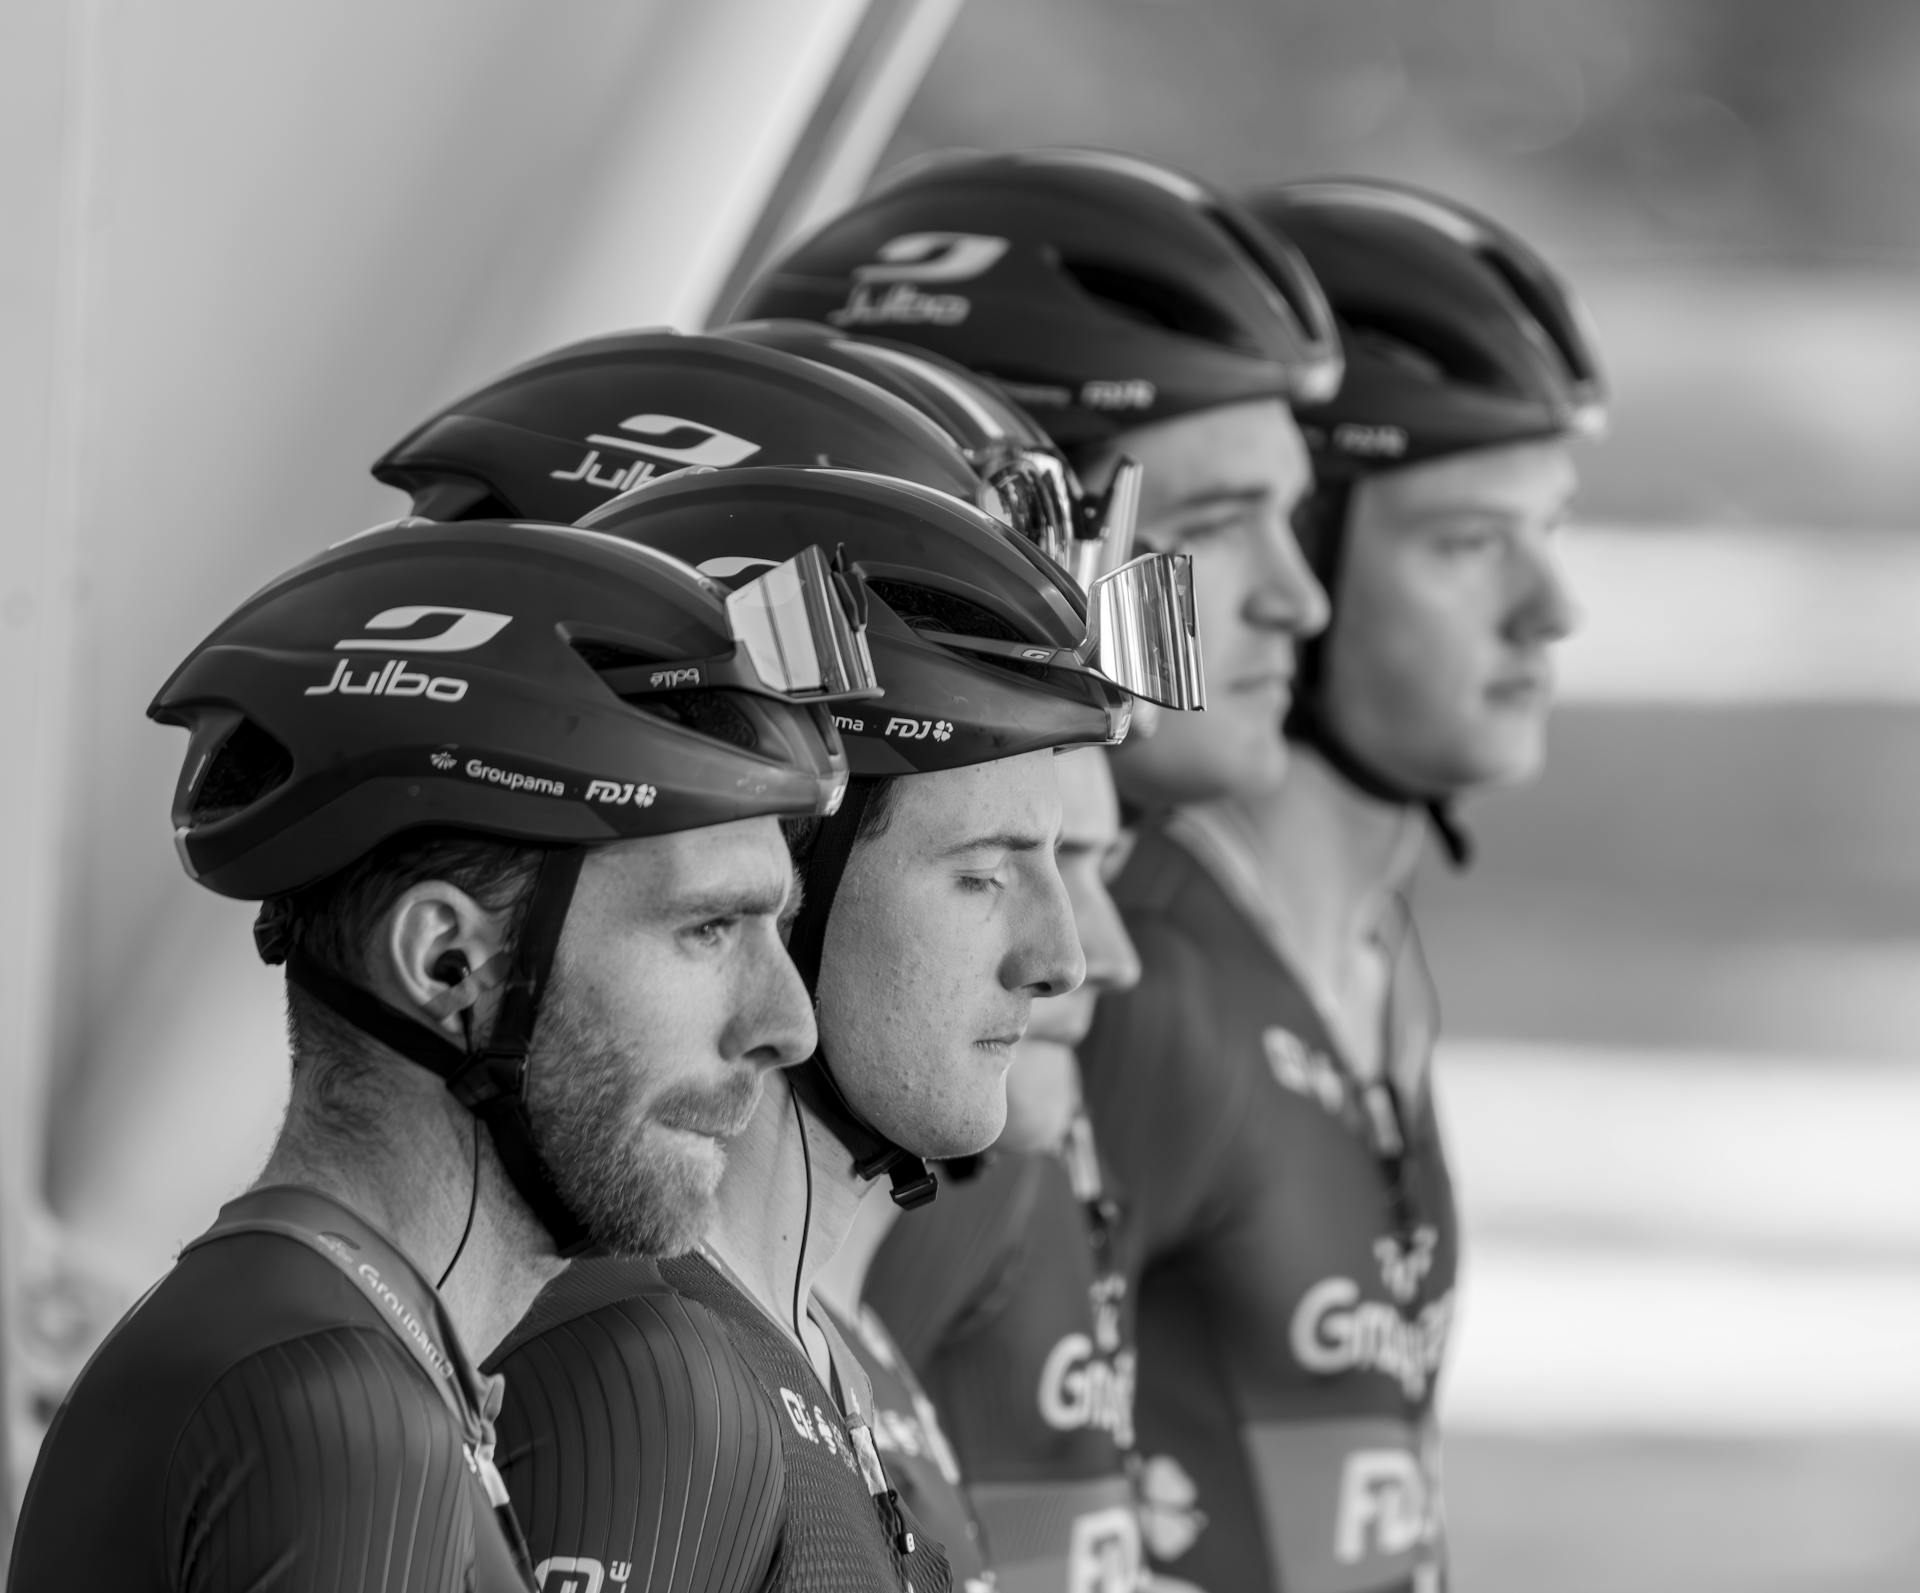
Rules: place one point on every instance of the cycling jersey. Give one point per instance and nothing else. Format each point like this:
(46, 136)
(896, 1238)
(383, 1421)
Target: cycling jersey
(1010, 1296)
(919, 1460)
(1298, 1239)
(266, 1418)
(662, 1435)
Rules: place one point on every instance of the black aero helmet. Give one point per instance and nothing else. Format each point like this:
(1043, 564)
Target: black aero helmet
(535, 684)
(556, 437)
(1100, 290)
(1457, 335)
(973, 635)
(1033, 486)
(977, 638)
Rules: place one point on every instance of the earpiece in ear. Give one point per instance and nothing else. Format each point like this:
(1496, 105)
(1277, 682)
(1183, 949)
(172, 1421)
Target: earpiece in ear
(450, 968)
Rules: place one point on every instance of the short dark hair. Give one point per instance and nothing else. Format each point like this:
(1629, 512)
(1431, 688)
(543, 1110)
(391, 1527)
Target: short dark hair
(333, 921)
(802, 834)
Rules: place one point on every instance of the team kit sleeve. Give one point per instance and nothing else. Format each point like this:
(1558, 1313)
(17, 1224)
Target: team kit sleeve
(640, 1454)
(326, 1464)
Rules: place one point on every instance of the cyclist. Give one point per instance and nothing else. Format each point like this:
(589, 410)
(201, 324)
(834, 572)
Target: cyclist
(934, 914)
(1136, 313)
(1266, 1087)
(1020, 1326)
(533, 441)
(518, 887)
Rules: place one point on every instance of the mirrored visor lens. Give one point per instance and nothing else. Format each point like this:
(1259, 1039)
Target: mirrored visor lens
(1040, 499)
(1143, 633)
(798, 631)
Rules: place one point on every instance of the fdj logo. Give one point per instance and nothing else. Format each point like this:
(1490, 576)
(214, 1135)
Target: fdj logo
(619, 794)
(1104, 1554)
(1383, 1505)
(680, 443)
(919, 729)
(893, 287)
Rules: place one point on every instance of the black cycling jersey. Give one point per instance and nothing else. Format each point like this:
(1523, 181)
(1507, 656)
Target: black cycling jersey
(1299, 1240)
(1011, 1296)
(265, 1419)
(660, 1433)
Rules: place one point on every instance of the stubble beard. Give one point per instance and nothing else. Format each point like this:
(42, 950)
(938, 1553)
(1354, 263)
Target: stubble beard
(641, 1189)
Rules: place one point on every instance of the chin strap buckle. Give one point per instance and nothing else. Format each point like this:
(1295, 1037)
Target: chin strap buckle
(913, 1185)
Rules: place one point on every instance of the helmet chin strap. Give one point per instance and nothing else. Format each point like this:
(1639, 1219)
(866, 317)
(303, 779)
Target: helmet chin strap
(490, 1080)
(813, 1081)
(1308, 724)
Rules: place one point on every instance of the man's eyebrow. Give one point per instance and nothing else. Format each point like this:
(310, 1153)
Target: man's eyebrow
(1221, 498)
(758, 900)
(998, 841)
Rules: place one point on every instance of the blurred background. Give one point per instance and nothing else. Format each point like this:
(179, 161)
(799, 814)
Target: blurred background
(251, 244)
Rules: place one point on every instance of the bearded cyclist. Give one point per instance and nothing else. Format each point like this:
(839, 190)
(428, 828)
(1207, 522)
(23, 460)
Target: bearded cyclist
(529, 908)
(1136, 313)
(1300, 1268)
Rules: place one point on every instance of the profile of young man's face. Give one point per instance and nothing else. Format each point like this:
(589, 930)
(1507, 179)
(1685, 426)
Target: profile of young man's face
(946, 927)
(1043, 1087)
(672, 995)
(1439, 668)
(1221, 484)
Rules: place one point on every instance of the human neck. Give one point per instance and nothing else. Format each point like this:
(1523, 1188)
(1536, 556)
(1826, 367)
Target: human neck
(1333, 860)
(843, 1280)
(414, 1180)
(764, 1198)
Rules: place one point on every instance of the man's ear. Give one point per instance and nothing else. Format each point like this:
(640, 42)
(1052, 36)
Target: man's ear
(440, 954)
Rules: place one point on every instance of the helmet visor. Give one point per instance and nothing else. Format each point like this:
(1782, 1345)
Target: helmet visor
(1087, 537)
(1142, 633)
(799, 632)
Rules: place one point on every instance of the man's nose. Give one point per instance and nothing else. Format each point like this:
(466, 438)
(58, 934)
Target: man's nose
(1046, 959)
(1547, 610)
(1285, 594)
(775, 1026)
(1112, 962)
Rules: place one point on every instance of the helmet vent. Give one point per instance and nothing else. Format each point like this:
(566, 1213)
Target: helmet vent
(927, 609)
(603, 657)
(1427, 352)
(249, 764)
(705, 713)
(1153, 301)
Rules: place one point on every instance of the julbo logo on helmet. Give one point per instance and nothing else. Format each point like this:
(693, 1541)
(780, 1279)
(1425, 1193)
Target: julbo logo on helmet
(467, 628)
(891, 289)
(684, 444)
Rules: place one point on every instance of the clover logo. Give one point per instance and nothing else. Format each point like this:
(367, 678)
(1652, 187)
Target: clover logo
(941, 730)
(643, 796)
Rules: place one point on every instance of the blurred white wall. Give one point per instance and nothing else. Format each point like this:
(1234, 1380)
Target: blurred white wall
(247, 245)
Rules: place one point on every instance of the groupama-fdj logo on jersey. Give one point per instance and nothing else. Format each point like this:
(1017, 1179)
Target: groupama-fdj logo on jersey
(892, 289)
(435, 628)
(673, 440)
